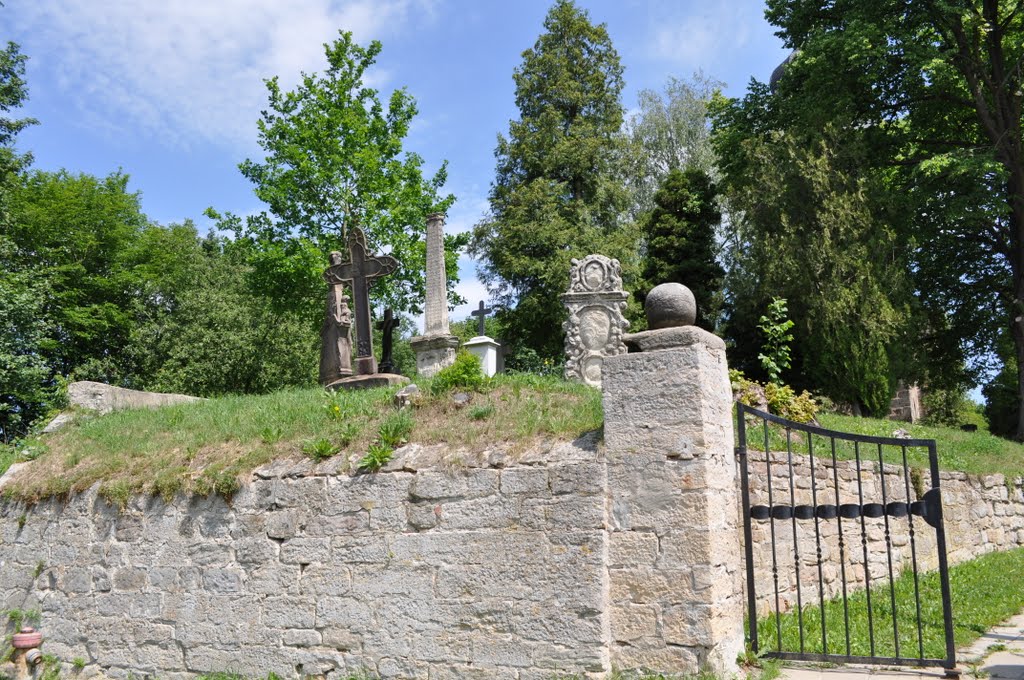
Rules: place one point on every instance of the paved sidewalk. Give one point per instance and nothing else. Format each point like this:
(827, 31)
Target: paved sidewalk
(1005, 662)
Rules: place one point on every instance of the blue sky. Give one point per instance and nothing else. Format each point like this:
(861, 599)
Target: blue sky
(170, 91)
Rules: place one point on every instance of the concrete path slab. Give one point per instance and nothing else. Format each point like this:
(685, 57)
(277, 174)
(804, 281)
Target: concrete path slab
(997, 655)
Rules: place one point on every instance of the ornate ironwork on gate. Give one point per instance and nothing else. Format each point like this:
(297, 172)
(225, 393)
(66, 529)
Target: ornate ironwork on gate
(845, 547)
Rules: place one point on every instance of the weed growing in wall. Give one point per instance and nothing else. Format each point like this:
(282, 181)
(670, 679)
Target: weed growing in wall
(320, 449)
(377, 456)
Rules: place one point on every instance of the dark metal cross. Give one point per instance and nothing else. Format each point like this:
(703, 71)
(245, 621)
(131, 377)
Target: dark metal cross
(387, 326)
(360, 272)
(482, 312)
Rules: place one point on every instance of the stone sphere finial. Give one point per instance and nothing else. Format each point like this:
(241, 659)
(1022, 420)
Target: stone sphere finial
(669, 305)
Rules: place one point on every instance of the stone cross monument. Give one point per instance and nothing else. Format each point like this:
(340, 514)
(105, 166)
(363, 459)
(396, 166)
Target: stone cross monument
(335, 343)
(481, 312)
(593, 330)
(360, 272)
(387, 328)
(482, 347)
(435, 349)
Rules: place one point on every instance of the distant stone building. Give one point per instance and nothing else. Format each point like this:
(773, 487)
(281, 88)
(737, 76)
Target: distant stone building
(906, 404)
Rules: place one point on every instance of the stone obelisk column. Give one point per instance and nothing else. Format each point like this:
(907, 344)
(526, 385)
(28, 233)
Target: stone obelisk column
(435, 349)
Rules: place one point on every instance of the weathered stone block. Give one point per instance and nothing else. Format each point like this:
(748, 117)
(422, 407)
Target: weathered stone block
(631, 622)
(531, 481)
(432, 485)
(301, 638)
(305, 550)
(632, 549)
(289, 612)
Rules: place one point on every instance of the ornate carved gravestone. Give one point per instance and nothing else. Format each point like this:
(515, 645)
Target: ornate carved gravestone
(593, 331)
(359, 272)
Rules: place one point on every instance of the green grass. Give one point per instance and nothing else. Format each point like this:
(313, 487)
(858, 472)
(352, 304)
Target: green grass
(985, 591)
(205, 447)
(971, 452)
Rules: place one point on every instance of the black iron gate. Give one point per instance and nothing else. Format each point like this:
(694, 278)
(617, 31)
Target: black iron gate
(874, 587)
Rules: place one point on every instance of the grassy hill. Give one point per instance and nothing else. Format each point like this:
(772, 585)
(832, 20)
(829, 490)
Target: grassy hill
(207, 447)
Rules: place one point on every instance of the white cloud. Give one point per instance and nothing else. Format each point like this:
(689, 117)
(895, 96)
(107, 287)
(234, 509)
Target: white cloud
(474, 291)
(189, 70)
(470, 206)
(694, 40)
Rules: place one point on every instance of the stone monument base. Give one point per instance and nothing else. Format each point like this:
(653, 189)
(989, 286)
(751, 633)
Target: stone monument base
(433, 352)
(485, 349)
(363, 382)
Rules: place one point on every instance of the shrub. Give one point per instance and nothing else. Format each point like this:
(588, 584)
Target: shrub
(775, 326)
(320, 449)
(944, 406)
(465, 373)
(526, 360)
(780, 399)
(395, 429)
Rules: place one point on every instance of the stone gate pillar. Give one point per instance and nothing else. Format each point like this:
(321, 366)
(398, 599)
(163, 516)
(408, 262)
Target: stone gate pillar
(675, 563)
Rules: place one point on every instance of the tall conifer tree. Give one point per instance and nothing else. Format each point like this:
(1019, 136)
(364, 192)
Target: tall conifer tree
(557, 194)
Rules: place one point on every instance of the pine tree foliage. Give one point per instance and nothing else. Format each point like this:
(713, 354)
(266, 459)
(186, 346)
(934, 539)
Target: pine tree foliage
(680, 237)
(558, 193)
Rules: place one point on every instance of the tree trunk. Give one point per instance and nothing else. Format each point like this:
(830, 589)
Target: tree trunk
(1016, 201)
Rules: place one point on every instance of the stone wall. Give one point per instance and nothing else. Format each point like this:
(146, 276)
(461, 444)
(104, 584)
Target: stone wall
(567, 559)
(422, 573)
(982, 514)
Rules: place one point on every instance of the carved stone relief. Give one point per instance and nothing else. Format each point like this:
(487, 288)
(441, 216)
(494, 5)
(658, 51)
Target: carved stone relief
(595, 302)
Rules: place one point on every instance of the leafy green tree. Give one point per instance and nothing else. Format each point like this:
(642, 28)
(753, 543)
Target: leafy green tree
(559, 190)
(670, 132)
(680, 237)
(813, 232)
(74, 231)
(220, 336)
(935, 91)
(24, 394)
(27, 391)
(334, 160)
(13, 93)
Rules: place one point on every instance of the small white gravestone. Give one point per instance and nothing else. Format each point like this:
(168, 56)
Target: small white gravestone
(482, 347)
(486, 350)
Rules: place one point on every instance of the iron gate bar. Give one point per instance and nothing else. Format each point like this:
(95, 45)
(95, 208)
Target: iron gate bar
(748, 539)
(864, 547)
(775, 566)
(817, 539)
(929, 507)
(940, 540)
(888, 554)
(842, 553)
(913, 556)
(796, 542)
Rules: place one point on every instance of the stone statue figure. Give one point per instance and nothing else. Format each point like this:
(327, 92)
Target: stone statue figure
(335, 334)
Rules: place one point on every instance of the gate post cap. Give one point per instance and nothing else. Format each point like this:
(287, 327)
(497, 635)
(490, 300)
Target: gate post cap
(670, 305)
